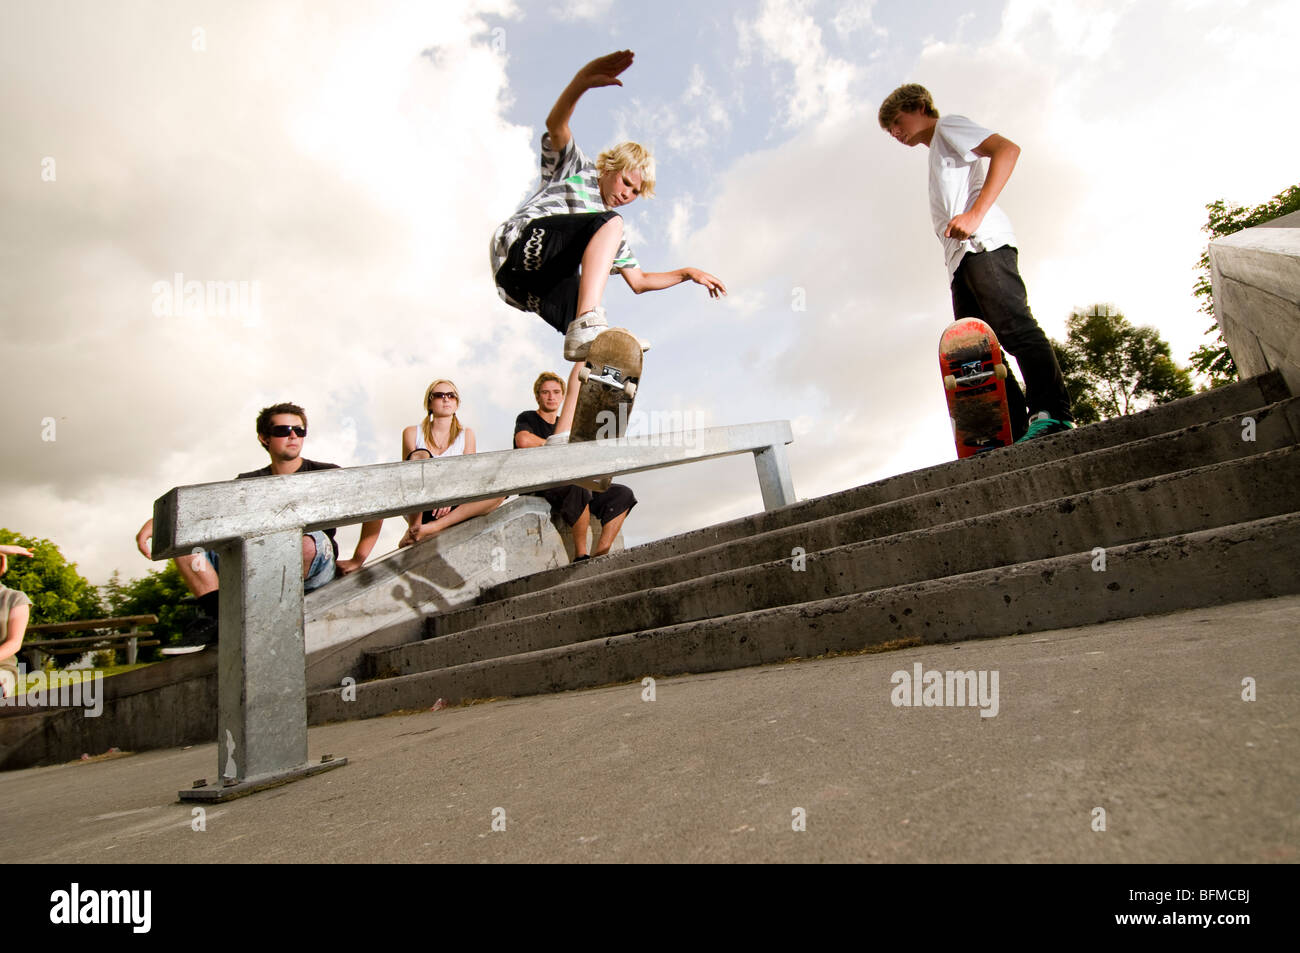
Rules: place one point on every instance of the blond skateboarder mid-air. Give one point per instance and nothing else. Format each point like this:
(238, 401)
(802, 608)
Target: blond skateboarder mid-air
(554, 255)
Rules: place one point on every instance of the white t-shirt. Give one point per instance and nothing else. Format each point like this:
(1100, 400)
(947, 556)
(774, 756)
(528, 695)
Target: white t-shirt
(956, 177)
(456, 448)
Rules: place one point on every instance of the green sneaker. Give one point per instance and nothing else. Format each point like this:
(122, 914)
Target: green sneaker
(1041, 425)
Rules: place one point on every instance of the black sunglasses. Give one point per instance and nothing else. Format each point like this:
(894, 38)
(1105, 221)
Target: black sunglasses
(283, 430)
(449, 395)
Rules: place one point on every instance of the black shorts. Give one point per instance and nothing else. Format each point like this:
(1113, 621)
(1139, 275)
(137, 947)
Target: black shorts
(542, 266)
(568, 502)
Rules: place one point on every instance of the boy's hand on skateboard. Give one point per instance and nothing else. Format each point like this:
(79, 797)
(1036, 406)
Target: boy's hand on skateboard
(715, 286)
(604, 70)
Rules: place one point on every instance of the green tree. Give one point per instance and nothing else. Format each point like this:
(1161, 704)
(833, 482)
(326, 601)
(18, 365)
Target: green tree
(58, 592)
(1113, 368)
(1214, 359)
(159, 593)
(1082, 402)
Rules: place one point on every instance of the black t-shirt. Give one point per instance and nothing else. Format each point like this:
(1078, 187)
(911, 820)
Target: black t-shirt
(533, 422)
(307, 467)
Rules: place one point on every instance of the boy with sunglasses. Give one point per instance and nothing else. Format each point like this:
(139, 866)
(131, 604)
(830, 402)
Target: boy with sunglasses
(281, 429)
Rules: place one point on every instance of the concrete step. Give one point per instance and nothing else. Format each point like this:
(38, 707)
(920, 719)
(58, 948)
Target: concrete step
(1252, 560)
(1276, 426)
(1262, 485)
(1233, 400)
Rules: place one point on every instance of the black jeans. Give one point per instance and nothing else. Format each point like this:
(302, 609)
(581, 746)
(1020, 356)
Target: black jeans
(988, 286)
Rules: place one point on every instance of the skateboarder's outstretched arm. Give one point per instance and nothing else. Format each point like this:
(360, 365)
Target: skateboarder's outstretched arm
(602, 71)
(640, 281)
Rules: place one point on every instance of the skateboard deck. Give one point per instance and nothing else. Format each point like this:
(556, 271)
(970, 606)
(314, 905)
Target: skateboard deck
(974, 378)
(609, 382)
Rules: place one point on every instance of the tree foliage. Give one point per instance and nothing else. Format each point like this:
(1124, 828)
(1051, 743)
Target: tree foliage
(1082, 401)
(1113, 368)
(58, 592)
(1214, 359)
(159, 593)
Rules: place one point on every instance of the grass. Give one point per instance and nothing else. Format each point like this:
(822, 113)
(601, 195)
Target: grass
(67, 677)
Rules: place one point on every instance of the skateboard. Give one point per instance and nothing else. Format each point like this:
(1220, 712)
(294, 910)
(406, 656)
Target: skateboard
(609, 381)
(974, 377)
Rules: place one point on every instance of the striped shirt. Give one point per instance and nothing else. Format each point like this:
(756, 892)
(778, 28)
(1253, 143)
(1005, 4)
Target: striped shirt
(570, 185)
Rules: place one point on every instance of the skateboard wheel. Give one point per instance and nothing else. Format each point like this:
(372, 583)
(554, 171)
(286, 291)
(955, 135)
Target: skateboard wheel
(583, 373)
(1000, 371)
(629, 389)
(949, 382)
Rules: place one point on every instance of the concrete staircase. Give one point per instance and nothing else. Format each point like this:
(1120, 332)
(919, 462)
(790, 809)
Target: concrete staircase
(1191, 504)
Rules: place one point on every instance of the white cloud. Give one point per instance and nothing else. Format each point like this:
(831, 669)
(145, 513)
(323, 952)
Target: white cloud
(679, 222)
(1084, 28)
(693, 122)
(716, 111)
(855, 15)
(583, 9)
(355, 183)
(822, 85)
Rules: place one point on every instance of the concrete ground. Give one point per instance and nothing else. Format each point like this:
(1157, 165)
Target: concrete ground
(1143, 719)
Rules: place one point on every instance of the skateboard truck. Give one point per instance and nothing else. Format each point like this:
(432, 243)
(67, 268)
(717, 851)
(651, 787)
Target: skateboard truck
(611, 377)
(971, 375)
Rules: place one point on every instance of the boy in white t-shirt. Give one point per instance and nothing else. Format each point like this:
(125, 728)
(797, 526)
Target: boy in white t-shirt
(980, 249)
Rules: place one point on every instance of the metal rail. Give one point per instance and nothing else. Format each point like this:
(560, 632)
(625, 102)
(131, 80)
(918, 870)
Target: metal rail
(256, 526)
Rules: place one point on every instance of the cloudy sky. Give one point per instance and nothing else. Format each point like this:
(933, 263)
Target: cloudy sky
(344, 165)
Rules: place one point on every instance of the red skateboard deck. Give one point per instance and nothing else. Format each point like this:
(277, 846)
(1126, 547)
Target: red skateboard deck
(974, 378)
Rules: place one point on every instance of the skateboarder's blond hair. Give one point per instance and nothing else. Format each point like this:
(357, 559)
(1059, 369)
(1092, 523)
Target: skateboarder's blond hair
(427, 424)
(909, 98)
(630, 155)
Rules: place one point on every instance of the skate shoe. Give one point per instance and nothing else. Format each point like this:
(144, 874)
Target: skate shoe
(585, 328)
(1041, 425)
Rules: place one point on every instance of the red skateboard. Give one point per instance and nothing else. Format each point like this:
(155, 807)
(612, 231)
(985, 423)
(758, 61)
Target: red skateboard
(974, 377)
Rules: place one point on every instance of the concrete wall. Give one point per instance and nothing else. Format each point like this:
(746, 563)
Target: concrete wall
(1256, 278)
(169, 704)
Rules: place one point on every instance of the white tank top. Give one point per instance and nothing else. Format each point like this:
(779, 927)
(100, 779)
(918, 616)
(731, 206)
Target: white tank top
(456, 449)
